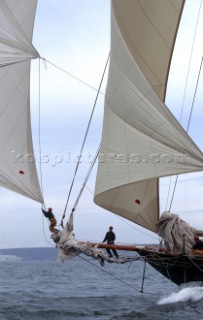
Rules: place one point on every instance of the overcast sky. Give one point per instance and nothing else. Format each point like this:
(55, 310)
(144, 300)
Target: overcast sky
(75, 36)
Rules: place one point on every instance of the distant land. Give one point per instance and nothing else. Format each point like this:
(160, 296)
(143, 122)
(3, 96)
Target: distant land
(34, 254)
(29, 254)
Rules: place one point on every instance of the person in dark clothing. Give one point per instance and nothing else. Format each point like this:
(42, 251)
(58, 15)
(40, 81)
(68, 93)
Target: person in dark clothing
(49, 214)
(110, 237)
(198, 243)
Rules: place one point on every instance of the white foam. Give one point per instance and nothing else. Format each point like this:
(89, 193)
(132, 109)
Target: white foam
(9, 258)
(185, 294)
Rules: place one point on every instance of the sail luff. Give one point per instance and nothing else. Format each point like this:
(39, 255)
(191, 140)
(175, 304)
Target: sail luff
(141, 140)
(149, 31)
(180, 8)
(17, 162)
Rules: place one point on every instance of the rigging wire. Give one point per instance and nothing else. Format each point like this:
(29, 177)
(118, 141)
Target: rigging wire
(39, 130)
(87, 177)
(184, 96)
(189, 121)
(77, 165)
(193, 101)
(112, 275)
(84, 140)
(190, 62)
(70, 220)
(71, 75)
(169, 188)
(40, 149)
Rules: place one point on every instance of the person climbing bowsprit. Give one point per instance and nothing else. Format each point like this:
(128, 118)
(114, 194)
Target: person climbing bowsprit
(49, 214)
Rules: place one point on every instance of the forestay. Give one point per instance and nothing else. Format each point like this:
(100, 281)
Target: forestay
(141, 139)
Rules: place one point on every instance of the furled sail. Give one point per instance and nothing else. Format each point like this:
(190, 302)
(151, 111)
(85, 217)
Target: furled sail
(17, 165)
(141, 139)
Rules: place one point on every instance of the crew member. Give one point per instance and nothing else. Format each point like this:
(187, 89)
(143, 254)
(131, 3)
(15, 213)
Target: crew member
(198, 244)
(110, 237)
(49, 214)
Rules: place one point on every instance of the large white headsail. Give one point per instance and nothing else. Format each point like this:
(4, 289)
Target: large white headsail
(141, 139)
(17, 165)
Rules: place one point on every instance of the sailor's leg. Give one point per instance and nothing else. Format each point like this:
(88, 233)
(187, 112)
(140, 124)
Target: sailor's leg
(115, 253)
(52, 226)
(109, 252)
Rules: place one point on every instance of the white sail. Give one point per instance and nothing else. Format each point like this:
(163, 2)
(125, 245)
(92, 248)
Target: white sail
(141, 139)
(17, 166)
(16, 20)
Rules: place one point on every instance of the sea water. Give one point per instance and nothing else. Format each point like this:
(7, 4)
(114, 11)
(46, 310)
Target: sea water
(35, 286)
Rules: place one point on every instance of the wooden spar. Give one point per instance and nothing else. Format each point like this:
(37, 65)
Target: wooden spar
(115, 246)
(199, 234)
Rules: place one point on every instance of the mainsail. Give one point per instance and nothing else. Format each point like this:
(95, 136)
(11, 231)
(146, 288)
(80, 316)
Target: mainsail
(17, 165)
(141, 140)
